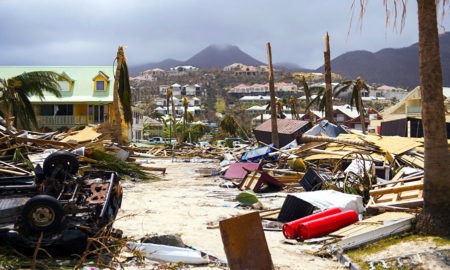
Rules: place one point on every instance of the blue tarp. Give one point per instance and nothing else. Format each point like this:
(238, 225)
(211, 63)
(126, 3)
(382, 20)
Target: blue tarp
(329, 129)
(257, 154)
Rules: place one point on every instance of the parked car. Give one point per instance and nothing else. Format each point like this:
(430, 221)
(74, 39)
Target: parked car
(157, 140)
(55, 201)
(204, 144)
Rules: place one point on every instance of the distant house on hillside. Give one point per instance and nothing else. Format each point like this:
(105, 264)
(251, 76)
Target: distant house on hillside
(244, 70)
(390, 92)
(281, 89)
(181, 70)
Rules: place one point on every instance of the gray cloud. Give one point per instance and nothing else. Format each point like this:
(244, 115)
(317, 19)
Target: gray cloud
(87, 32)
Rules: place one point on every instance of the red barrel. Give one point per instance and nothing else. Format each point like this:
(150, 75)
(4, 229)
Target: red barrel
(290, 228)
(322, 226)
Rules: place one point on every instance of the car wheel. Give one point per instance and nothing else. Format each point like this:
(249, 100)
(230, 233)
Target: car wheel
(60, 164)
(42, 213)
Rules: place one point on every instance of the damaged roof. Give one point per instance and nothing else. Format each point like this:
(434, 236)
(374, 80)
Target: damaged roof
(285, 126)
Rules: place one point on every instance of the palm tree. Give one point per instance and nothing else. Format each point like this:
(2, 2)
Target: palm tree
(293, 107)
(168, 96)
(121, 95)
(15, 92)
(434, 217)
(185, 105)
(308, 92)
(174, 119)
(356, 98)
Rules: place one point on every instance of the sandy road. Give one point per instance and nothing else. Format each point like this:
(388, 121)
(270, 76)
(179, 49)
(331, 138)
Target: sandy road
(185, 203)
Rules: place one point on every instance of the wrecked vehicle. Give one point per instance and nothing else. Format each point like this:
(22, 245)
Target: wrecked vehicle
(57, 203)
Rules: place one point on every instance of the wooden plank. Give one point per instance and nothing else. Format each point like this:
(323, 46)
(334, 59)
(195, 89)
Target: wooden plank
(395, 189)
(245, 243)
(45, 142)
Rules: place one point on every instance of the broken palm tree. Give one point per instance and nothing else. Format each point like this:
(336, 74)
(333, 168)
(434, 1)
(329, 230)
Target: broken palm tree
(121, 96)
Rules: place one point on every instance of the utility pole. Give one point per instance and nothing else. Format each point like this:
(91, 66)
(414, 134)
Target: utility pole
(273, 109)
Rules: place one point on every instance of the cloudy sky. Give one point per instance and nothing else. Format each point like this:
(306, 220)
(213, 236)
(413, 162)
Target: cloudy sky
(87, 32)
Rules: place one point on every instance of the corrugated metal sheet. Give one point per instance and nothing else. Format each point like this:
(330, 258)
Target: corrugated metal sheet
(285, 126)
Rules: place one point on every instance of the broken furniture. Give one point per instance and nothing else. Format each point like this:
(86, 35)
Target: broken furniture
(257, 184)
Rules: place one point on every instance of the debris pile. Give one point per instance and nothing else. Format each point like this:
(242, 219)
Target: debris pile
(329, 177)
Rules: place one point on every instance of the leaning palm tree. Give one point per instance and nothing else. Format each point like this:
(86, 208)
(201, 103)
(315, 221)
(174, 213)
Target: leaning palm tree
(356, 98)
(185, 105)
(16, 90)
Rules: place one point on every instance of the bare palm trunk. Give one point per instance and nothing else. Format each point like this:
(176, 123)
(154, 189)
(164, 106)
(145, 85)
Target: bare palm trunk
(174, 119)
(361, 113)
(273, 109)
(8, 119)
(184, 123)
(309, 112)
(434, 218)
(328, 95)
(117, 125)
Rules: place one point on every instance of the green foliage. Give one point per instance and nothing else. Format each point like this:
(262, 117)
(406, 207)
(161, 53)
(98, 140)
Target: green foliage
(124, 91)
(20, 158)
(357, 86)
(220, 105)
(109, 162)
(247, 197)
(15, 93)
(228, 125)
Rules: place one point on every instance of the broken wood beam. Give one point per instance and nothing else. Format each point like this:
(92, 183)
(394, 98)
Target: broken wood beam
(396, 189)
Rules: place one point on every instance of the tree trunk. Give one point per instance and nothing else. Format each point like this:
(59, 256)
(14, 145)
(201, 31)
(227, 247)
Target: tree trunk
(174, 119)
(309, 112)
(8, 119)
(117, 125)
(361, 112)
(434, 218)
(273, 109)
(328, 94)
(184, 123)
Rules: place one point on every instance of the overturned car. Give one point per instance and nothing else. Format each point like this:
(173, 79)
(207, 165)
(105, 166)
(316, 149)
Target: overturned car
(57, 203)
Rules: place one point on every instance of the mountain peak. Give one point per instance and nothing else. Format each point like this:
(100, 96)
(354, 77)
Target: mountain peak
(221, 55)
(222, 46)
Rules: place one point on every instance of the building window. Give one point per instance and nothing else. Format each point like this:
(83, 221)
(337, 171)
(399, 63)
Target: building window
(47, 110)
(64, 109)
(64, 86)
(340, 118)
(100, 85)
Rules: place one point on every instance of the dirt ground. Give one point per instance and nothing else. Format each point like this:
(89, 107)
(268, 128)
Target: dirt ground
(185, 203)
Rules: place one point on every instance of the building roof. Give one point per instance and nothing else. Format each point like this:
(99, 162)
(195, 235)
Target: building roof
(351, 112)
(82, 89)
(263, 98)
(257, 108)
(285, 126)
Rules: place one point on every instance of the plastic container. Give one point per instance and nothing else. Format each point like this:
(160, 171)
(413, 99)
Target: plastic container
(290, 229)
(325, 225)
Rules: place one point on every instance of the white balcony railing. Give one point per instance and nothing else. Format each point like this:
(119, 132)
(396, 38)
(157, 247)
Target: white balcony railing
(63, 120)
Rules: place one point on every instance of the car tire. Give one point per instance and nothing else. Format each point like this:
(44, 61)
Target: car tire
(59, 164)
(42, 213)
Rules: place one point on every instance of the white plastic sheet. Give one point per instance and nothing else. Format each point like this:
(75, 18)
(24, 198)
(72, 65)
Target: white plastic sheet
(169, 253)
(324, 199)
